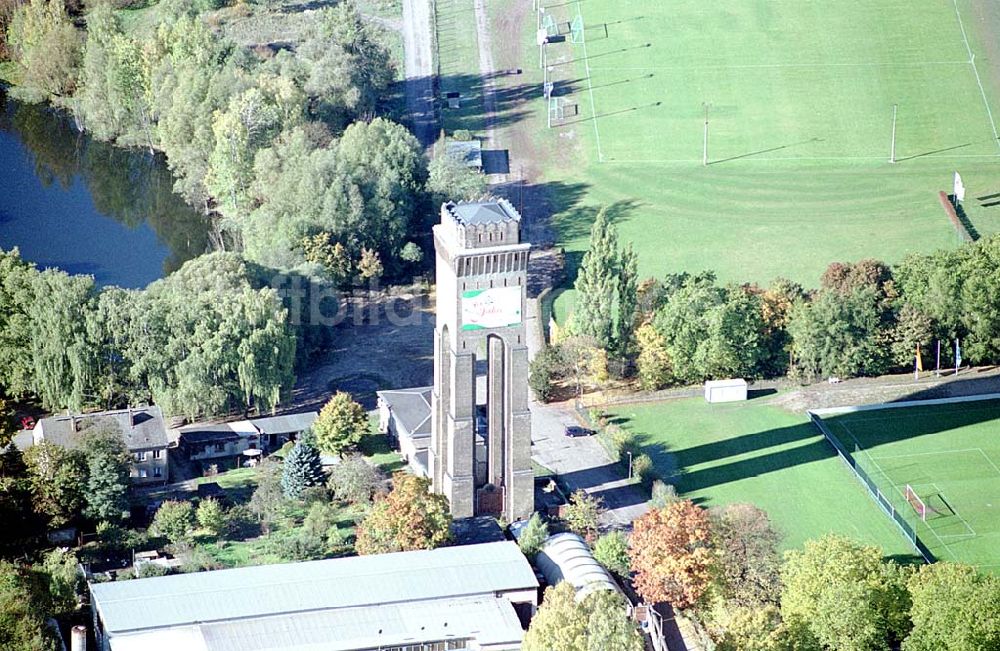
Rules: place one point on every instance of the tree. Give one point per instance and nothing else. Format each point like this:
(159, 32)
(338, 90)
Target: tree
(370, 266)
(628, 303)
(302, 468)
(583, 514)
(410, 517)
(748, 559)
(23, 611)
(322, 523)
(411, 253)
(672, 555)
(533, 536)
(845, 595)
(341, 424)
(597, 623)
(268, 499)
(15, 501)
(450, 179)
(47, 47)
(654, 358)
(108, 470)
(211, 516)
(755, 629)
(596, 283)
(559, 624)
(174, 520)
(543, 371)
(58, 480)
(839, 334)
(611, 551)
(955, 608)
(609, 628)
(354, 480)
(64, 583)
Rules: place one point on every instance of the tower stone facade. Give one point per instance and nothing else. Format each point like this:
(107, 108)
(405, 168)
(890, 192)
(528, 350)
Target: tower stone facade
(480, 455)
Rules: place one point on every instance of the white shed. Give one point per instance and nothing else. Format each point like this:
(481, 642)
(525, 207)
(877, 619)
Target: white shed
(726, 390)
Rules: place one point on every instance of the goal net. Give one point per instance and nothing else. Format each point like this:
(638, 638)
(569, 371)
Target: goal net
(576, 29)
(918, 504)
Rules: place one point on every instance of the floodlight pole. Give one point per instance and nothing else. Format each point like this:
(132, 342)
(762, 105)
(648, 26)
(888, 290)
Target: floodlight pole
(704, 147)
(892, 151)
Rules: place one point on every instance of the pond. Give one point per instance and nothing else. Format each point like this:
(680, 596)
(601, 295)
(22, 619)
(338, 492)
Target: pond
(86, 207)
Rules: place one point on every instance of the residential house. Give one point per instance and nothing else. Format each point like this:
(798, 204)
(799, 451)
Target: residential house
(141, 428)
(226, 445)
(469, 598)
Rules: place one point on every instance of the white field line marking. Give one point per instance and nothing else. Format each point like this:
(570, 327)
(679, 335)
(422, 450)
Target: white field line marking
(975, 70)
(920, 454)
(895, 487)
(989, 460)
(972, 532)
(726, 66)
(753, 159)
(590, 87)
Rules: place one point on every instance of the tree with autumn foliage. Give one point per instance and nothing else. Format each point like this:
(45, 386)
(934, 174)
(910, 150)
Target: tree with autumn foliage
(410, 517)
(671, 552)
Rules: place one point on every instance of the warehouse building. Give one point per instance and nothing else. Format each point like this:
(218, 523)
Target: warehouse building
(470, 598)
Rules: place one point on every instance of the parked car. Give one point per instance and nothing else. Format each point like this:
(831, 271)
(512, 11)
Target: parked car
(575, 431)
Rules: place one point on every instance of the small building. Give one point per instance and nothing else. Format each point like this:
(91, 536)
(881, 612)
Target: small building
(141, 428)
(405, 416)
(726, 390)
(467, 152)
(567, 557)
(471, 598)
(225, 445)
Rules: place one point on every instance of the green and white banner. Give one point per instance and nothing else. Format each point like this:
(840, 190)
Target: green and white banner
(491, 308)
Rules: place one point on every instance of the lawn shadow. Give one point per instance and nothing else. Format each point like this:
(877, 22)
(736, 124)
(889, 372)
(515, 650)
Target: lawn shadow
(931, 153)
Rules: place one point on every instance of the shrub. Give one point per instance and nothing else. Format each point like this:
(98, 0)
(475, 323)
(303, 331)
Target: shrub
(643, 469)
(211, 517)
(148, 570)
(462, 135)
(663, 494)
(611, 551)
(174, 521)
(533, 536)
(354, 480)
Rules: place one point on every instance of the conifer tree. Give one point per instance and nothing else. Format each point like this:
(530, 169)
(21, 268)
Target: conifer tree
(628, 299)
(596, 283)
(302, 469)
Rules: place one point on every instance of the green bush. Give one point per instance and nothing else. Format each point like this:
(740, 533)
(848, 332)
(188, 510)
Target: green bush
(663, 494)
(643, 469)
(147, 570)
(462, 135)
(611, 551)
(533, 536)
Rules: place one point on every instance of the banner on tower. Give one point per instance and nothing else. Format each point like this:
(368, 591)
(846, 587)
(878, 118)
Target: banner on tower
(495, 307)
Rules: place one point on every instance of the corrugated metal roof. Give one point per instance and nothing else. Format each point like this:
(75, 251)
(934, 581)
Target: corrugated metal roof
(566, 557)
(300, 587)
(489, 620)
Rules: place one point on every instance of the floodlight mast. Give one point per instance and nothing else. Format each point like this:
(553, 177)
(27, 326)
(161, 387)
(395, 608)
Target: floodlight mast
(892, 148)
(704, 147)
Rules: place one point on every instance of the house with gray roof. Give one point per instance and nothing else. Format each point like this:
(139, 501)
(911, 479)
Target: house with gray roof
(141, 428)
(405, 416)
(227, 445)
(472, 598)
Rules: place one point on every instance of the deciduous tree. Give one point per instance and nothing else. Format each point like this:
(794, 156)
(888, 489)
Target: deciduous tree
(583, 514)
(845, 595)
(611, 551)
(58, 481)
(341, 424)
(410, 517)
(174, 520)
(211, 516)
(955, 608)
(748, 561)
(672, 555)
(354, 480)
(108, 470)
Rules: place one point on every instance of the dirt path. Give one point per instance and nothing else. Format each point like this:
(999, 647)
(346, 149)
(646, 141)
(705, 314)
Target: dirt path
(419, 68)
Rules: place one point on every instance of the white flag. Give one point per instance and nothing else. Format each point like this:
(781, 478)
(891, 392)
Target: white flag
(959, 191)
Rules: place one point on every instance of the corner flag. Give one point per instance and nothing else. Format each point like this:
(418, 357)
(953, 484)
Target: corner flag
(959, 188)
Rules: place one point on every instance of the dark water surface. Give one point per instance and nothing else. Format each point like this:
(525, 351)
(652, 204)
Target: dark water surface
(72, 202)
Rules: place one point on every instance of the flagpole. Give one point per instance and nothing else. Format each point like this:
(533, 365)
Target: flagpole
(916, 364)
(958, 355)
(937, 369)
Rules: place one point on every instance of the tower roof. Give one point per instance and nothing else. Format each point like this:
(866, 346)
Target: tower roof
(494, 211)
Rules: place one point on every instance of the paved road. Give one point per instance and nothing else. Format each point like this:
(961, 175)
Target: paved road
(580, 462)
(419, 68)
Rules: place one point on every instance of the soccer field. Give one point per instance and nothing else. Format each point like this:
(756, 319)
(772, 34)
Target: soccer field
(949, 456)
(753, 452)
(799, 98)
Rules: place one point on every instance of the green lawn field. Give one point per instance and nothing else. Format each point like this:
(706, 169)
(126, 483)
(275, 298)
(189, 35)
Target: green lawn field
(800, 100)
(752, 452)
(949, 455)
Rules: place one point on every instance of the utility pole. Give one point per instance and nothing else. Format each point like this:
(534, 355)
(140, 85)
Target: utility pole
(704, 147)
(892, 149)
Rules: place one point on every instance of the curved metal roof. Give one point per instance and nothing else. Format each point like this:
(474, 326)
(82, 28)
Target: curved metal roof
(567, 557)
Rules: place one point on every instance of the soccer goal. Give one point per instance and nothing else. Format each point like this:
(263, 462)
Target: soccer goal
(918, 504)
